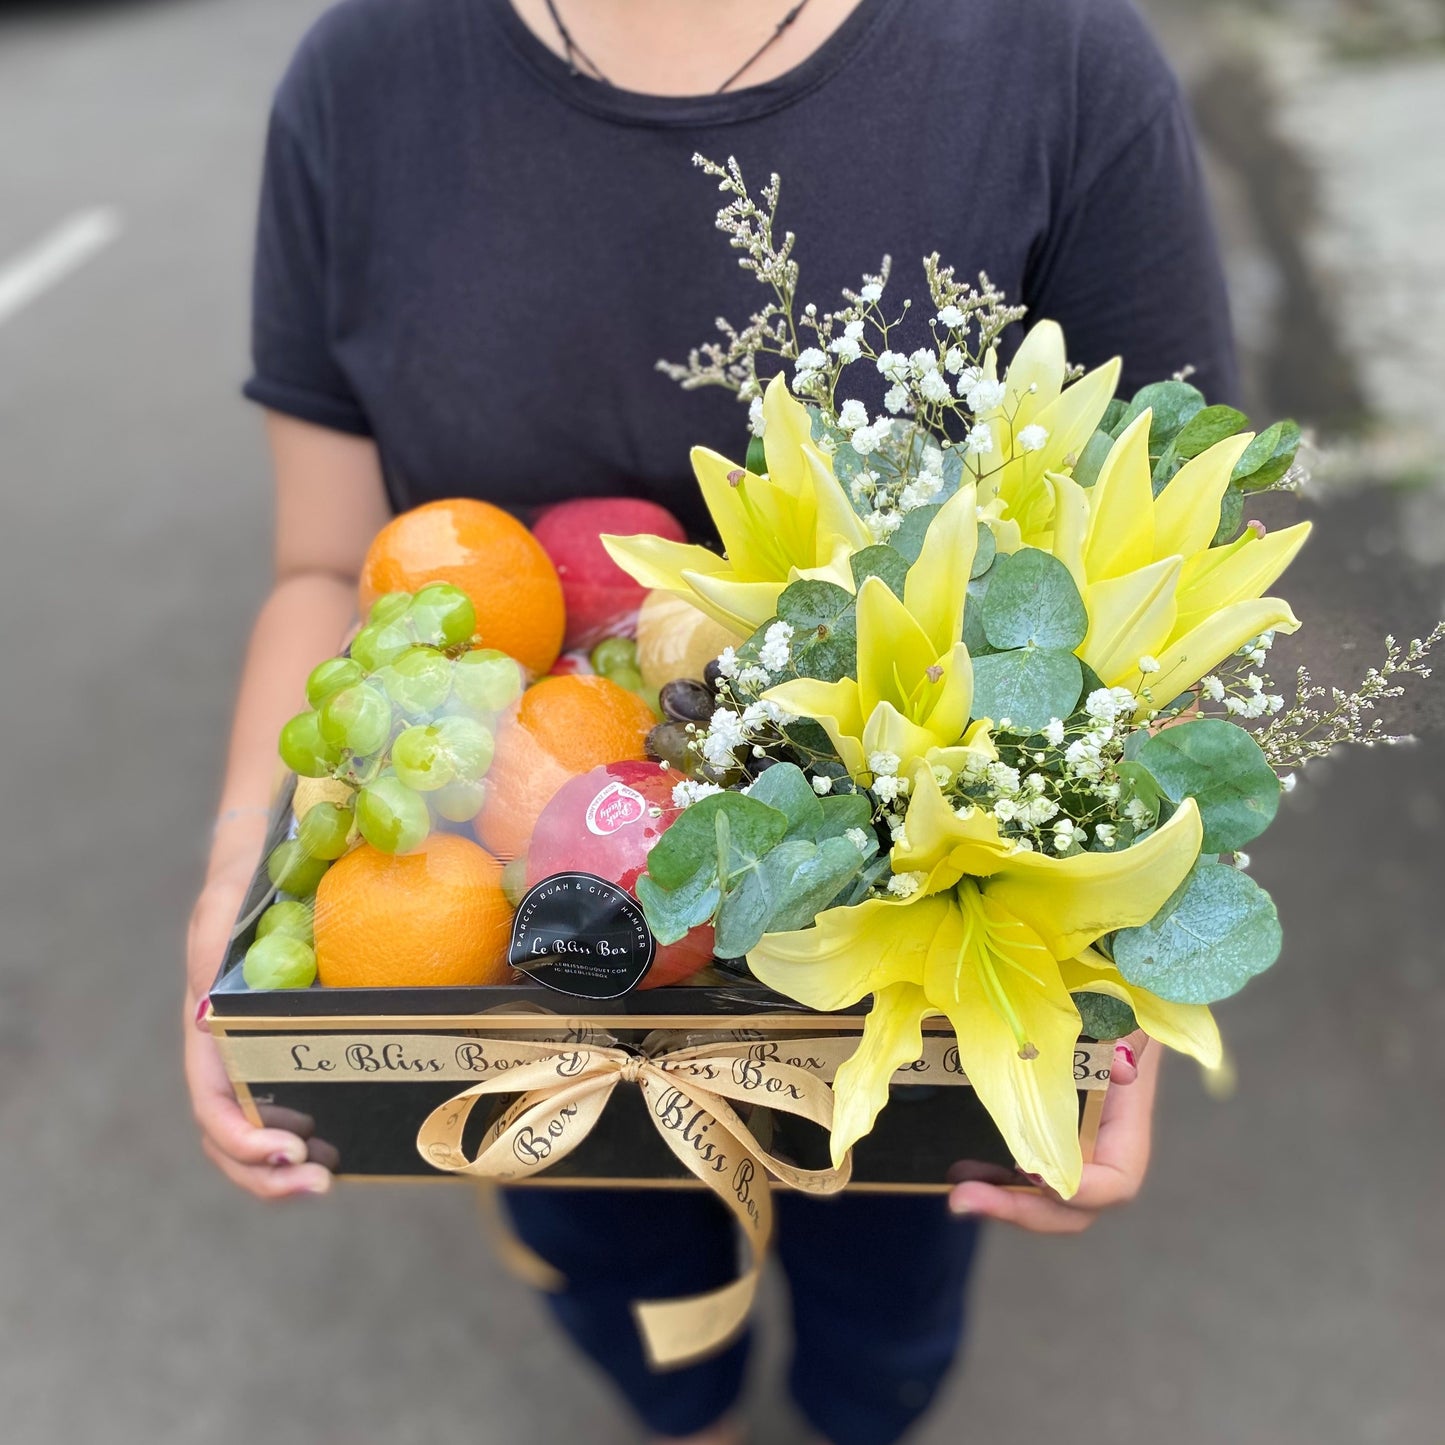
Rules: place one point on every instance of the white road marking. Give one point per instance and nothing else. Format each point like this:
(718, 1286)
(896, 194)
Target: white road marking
(68, 247)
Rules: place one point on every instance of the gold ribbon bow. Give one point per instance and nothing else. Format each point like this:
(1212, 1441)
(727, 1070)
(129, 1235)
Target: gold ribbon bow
(563, 1093)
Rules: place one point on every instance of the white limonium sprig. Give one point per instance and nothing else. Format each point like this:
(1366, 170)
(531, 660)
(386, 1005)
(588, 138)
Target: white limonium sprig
(937, 391)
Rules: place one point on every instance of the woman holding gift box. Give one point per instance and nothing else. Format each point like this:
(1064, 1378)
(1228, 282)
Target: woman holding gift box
(478, 233)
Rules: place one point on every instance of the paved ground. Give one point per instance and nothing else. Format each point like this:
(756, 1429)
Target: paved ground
(1278, 1285)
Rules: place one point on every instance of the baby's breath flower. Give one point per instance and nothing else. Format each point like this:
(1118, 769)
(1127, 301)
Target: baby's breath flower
(755, 416)
(984, 396)
(870, 293)
(896, 398)
(952, 318)
(1212, 688)
(859, 839)
(727, 662)
(822, 784)
(893, 365)
(954, 361)
(852, 415)
(1148, 663)
(688, 792)
(934, 387)
(905, 885)
(1106, 833)
(1033, 438)
(775, 653)
(884, 765)
(887, 789)
(1054, 731)
(979, 441)
(810, 358)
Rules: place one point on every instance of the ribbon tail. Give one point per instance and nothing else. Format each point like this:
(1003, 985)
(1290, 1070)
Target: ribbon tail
(679, 1331)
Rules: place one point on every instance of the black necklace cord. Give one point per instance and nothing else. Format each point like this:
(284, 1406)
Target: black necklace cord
(575, 52)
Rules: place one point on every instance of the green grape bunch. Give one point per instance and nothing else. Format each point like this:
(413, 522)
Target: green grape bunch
(405, 722)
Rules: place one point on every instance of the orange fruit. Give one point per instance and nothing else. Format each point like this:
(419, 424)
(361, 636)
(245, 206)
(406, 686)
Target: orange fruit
(561, 726)
(491, 556)
(436, 916)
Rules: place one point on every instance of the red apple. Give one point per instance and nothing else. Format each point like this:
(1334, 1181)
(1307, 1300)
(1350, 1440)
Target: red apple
(605, 822)
(602, 600)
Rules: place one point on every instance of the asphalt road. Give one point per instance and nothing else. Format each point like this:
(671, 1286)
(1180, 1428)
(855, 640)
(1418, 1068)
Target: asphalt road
(1278, 1284)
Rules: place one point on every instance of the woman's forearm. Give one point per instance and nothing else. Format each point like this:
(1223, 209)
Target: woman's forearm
(302, 622)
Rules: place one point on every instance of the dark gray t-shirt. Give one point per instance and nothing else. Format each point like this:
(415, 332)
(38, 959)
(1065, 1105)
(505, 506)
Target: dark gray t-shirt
(476, 257)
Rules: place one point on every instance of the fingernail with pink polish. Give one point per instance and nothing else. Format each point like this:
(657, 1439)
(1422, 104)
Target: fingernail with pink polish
(1123, 1051)
(201, 1008)
(280, 1159)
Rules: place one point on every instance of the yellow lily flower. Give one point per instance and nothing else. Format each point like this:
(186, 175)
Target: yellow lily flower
(993, 939)
(914, 685)
(795, 522)
(1035, 396)
(1152, 584)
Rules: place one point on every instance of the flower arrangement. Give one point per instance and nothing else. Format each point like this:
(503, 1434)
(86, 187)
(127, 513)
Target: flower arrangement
(982, 745)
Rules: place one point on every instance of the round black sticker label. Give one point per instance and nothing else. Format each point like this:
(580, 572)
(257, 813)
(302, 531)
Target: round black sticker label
(581, 935)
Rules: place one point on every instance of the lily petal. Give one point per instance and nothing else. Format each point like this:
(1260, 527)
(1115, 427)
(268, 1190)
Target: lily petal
(893, 649)
(888, 731)
(1036, 374)
(851, 952)
(789, 435)
(943, 707)
(1186, 513)
(743, 514)
(934, 834)
(836, 519)
(1121, 527)
(742, 606)
(892, 1037)
(936, 587)
(1245, 569)
(1070, 902)
(1016, 1026)
(1071, 527)
(1128, 617)
(834, 706)
(656, 562)
(1184, 661)
(1188, 1028)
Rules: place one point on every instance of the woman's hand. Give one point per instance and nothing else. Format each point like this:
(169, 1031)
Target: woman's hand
(1121, 1157)
(269, 1163)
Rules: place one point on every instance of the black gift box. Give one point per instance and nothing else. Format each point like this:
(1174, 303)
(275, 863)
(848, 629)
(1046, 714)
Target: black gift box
(365, 1067)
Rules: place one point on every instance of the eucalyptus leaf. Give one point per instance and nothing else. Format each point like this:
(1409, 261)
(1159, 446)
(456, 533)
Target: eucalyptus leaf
(842, 811)
(973, 637)
(1217, 931)
(1231, 516)
(1028, 686)
(1102, 1016)
(757, 460)
(691, 841)
(1033, 599)
(1136, 781)
(799, 887)
(908, 539)
(1092, 458)
(1174, 403)
(1268, 457)
(1222, 768)
(742, 915)
(875, 871)
(783, 891)
(784, 787)
(884, 562)
(1117, 416)
(825, 631)
(1208, 428)
(672, 913)
(985, 552)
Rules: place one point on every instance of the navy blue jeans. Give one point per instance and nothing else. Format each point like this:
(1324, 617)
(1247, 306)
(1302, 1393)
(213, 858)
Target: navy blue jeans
(877, 1284)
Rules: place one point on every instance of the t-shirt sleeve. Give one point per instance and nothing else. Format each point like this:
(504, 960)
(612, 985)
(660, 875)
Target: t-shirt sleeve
(1131, 267)
(294, 368)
